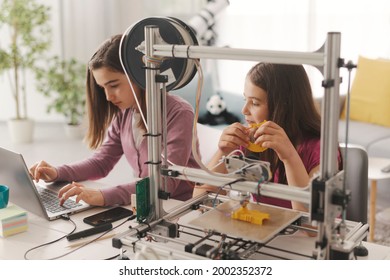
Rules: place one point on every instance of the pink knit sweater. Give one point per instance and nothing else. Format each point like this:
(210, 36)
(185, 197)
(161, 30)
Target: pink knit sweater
(120, 141)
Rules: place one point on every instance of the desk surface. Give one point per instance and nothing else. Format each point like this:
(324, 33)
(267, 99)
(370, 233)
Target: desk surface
(374, 168)
(41, 231)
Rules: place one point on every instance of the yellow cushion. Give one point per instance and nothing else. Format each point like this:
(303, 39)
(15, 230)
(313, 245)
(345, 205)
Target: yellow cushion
(370, 92)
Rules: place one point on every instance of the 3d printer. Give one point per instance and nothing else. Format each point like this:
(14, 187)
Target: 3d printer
(162, 53)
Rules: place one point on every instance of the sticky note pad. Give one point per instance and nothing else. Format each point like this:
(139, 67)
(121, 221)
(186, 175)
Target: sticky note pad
(13, 219)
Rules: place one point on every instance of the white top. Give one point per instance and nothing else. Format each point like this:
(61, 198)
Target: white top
(374, 168)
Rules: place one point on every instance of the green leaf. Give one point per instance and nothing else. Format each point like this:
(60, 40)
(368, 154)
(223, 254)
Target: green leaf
(28, 26)
(64, 82)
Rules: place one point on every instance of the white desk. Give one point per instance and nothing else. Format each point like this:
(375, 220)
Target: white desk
(300, 242)
(42, 231)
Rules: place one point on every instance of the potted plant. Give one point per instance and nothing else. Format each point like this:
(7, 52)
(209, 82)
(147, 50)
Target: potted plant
(63, 81)
(27, 24)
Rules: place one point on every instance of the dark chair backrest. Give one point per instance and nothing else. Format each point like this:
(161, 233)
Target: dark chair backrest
(357, 181)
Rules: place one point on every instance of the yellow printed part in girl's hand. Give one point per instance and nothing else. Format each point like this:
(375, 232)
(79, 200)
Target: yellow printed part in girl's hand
(255, 147)
(257, 125)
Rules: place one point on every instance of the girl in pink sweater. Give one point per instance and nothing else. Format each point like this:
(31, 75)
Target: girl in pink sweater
(115, 129)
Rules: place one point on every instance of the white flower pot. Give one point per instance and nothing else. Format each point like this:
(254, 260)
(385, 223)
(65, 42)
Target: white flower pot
(74, 131)
(21, 131)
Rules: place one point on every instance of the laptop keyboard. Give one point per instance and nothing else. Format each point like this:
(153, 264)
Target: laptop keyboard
(52, 203)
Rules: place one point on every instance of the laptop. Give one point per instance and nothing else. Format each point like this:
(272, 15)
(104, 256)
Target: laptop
(32, 196)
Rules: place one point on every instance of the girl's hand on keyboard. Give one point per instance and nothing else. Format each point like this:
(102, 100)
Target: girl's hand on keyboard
(43, 170)
(89, 195)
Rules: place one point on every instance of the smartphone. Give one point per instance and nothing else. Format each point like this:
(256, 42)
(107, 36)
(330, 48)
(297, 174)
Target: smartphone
(108, 216)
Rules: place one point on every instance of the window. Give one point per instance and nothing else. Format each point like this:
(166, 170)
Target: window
(302, 25)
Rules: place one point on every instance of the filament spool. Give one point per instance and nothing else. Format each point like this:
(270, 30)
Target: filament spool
(173, 31)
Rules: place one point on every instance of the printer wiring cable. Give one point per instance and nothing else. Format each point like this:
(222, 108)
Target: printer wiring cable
(78, 248)
(66, 218)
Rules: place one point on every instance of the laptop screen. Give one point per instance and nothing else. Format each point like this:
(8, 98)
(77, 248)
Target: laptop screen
(23, 192)
(14, 174)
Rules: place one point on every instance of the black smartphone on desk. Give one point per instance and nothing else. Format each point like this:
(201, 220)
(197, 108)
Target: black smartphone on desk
(108, 216)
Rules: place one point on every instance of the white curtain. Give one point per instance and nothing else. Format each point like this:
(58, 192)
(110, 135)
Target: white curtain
(302, 25)
(87, 23)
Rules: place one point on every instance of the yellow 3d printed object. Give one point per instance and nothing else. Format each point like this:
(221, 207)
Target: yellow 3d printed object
(255, 147)
(251, 216)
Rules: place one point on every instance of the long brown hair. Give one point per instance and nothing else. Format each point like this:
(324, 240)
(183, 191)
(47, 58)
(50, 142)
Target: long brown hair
(290, 105)
(100, 111)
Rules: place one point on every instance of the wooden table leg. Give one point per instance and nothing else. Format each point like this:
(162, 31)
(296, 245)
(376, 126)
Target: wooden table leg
(372, 209)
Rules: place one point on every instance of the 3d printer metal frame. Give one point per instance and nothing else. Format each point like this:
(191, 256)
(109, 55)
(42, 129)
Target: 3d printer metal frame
(146, 241)
(327, 60)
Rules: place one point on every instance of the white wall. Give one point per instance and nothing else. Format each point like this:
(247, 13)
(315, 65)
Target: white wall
(302, 25)
(299, 25)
